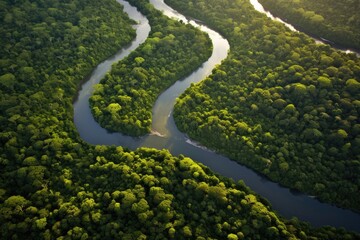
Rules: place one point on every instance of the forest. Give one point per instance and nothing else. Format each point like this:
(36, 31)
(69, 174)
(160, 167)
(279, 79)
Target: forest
(53, 185)
(123, 101)
(280, 104)
(336, 21)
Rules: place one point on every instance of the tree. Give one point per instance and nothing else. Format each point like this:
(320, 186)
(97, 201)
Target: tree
(113, 108)
(232, 236)
(324, 82)
(352, 85)
(8, 80)
(16, 203)
(41, 223)
(128, 198)
(140, 207)
(88, 205)
(187, 231)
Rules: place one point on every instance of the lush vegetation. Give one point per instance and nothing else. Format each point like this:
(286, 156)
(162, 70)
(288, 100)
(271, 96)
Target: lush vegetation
(337, 21)
(279, 103)
(112, 193)
(123, 101)
(55, 186)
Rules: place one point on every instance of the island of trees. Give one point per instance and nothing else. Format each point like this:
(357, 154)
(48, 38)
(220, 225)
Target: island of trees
(336, 21)
(123, 101)
(279, 103)
(55, 186)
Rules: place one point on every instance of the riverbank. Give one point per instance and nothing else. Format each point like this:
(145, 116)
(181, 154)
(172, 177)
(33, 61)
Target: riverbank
(334, 22)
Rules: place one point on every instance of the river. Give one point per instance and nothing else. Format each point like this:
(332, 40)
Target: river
(258, 7)
(165, 135)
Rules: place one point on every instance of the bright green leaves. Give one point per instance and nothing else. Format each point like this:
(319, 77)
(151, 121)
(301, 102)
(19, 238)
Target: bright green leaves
(139, 60)
(18, 203)
(353, 86)
(140, 207)
(324, 82)
(41, 223)
(113, 108)
(88, 205)
(128, 199)
(242, 128)
(98, 89)
(341, 133)
(300, 89)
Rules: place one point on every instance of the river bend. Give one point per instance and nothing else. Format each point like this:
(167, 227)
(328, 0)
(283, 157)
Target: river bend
(165, 135)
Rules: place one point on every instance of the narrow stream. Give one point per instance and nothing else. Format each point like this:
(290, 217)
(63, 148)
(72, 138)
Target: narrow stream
(165, 135)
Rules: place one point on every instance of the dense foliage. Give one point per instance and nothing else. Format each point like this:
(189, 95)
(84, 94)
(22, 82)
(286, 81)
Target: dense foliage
(280, 104)
(123, 101)
(337, 21)
(54, 186)
(112, 193)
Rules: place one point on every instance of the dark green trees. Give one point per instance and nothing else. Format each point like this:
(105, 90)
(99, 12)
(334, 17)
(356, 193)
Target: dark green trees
(337, 23)
(280, 104)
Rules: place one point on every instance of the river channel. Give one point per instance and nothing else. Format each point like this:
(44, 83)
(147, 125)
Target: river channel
(165, 135)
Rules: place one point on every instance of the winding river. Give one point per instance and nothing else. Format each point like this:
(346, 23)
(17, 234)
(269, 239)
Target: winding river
(165, 135)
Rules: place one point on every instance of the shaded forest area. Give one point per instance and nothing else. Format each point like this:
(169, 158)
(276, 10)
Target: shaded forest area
(55, 186)
(337, 21)
(280, 103)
